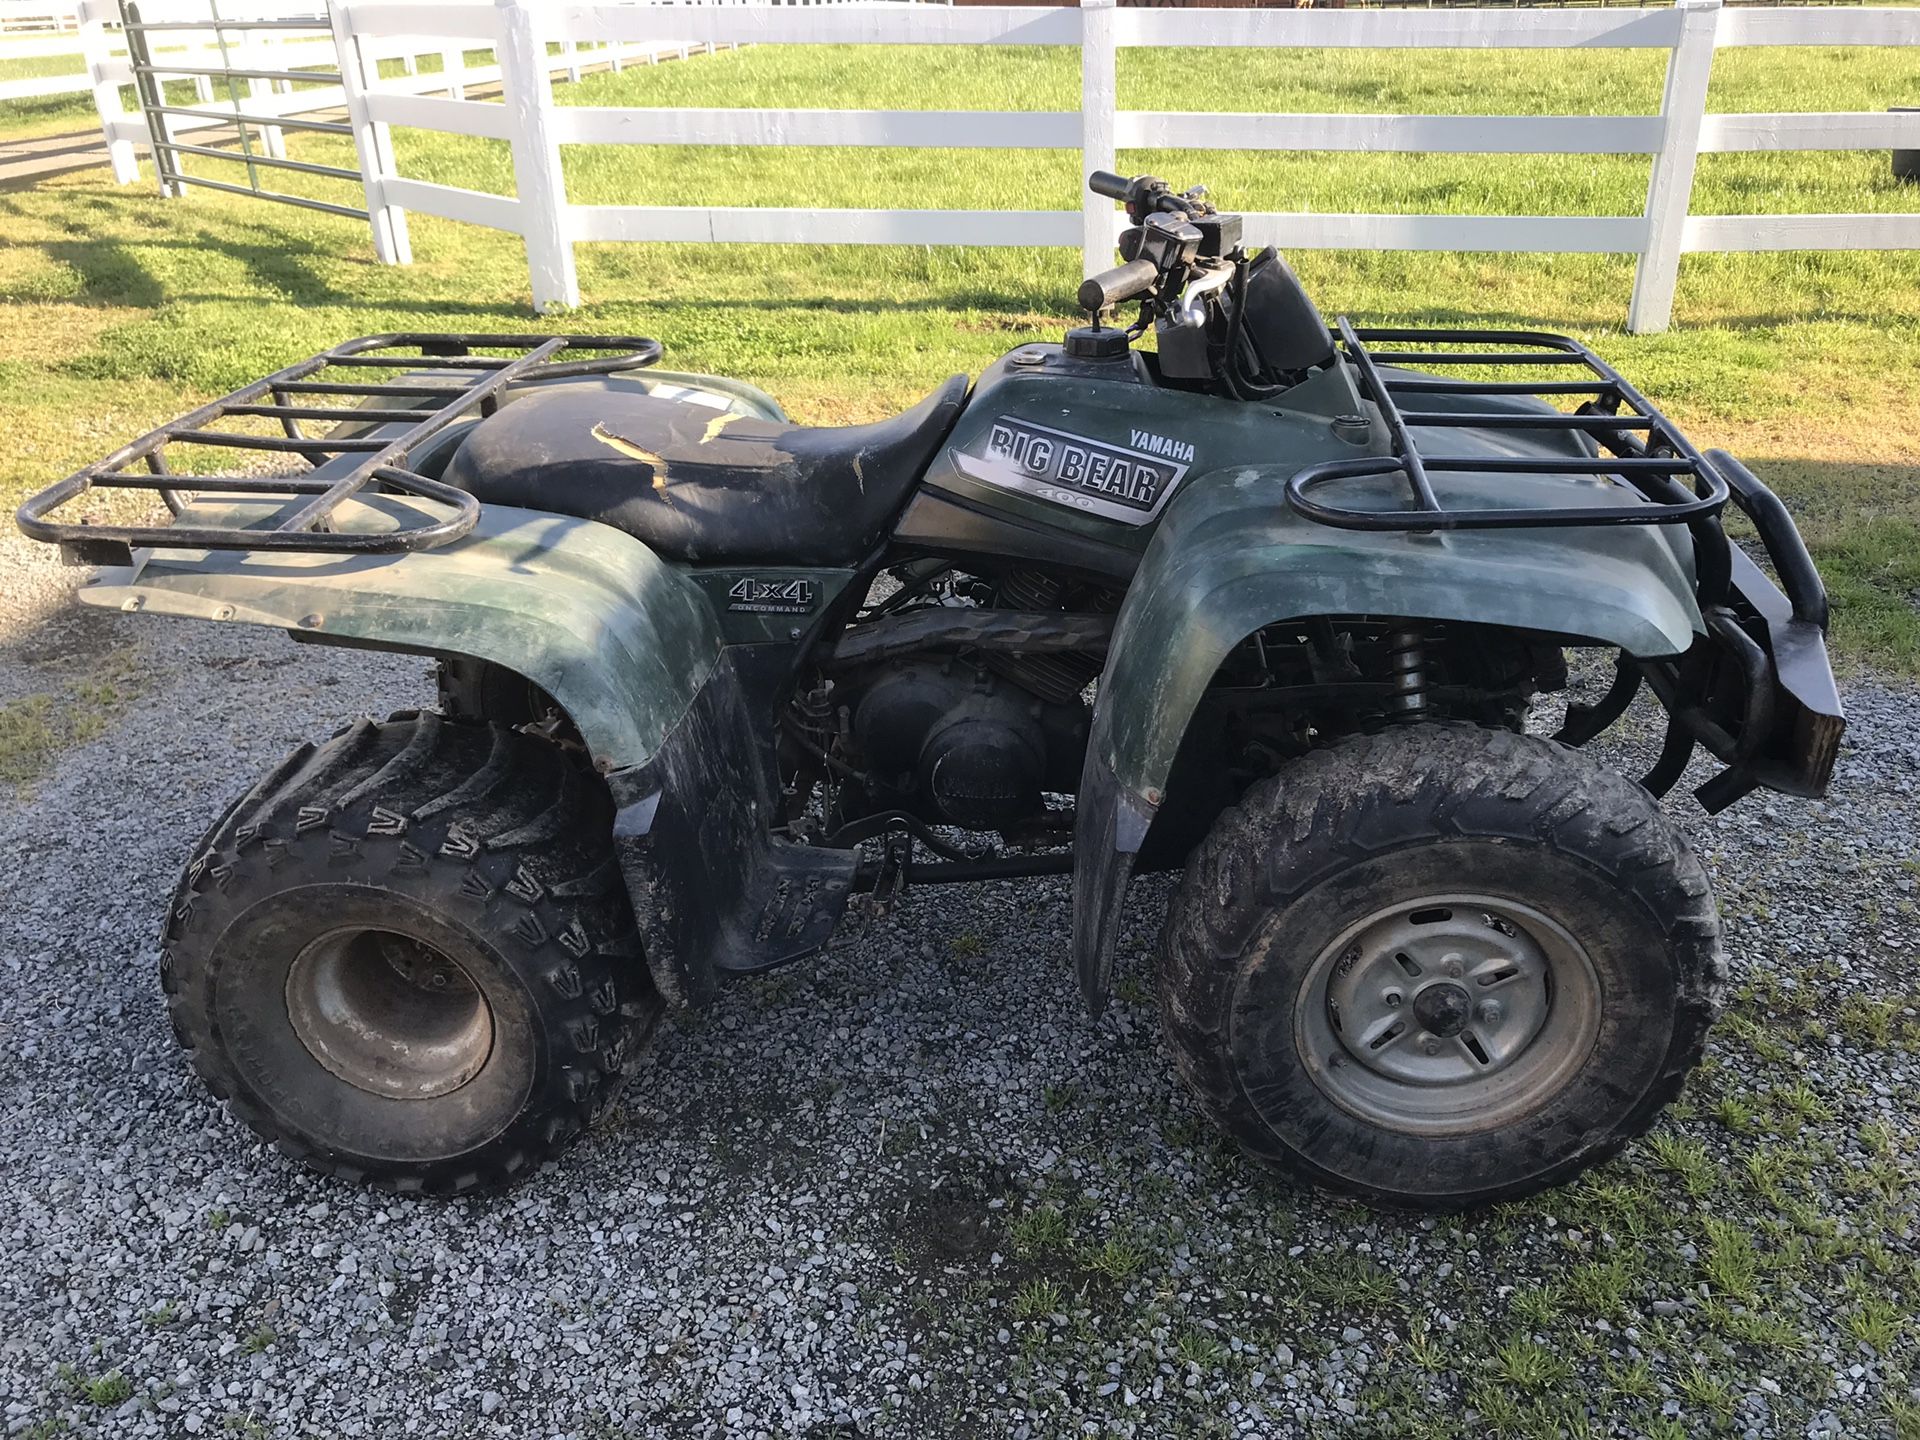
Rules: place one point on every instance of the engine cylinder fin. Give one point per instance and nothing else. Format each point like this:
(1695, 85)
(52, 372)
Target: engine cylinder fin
(1057, 677)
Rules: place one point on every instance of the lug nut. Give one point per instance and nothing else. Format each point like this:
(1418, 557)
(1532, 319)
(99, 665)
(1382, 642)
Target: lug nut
(1491, 1012)
(1394, 999)
(1430, 1045)
(1454, 968)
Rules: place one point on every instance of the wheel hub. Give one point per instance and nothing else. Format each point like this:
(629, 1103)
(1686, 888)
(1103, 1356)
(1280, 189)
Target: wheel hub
(1443, 1008)
(388, 1014)
(1448, 1013)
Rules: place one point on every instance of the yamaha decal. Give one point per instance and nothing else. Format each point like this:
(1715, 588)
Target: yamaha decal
(1128, 484)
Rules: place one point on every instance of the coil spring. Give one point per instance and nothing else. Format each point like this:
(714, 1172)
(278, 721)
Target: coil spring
(1407, 669)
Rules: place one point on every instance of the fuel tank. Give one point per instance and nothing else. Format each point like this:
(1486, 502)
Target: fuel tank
(1072, 461)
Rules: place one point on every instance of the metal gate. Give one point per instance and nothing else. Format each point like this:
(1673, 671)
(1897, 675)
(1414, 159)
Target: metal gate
(258, 72)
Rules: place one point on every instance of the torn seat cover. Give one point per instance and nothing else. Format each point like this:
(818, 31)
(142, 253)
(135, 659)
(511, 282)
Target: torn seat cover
(708, 486)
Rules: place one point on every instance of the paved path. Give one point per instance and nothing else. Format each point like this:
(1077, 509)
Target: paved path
(25, 162)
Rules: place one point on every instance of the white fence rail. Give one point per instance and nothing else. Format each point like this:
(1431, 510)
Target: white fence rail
(540, 211)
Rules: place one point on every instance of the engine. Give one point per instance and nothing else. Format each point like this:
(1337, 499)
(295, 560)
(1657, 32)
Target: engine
(956, 744)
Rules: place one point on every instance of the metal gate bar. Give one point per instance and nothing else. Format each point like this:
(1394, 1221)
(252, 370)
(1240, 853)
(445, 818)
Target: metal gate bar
(150, 83)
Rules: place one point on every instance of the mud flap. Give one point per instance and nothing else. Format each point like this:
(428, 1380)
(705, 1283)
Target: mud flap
(1111, 826)
(714, 892)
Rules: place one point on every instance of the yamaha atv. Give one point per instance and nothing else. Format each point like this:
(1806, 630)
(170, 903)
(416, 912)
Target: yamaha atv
(1268, 602)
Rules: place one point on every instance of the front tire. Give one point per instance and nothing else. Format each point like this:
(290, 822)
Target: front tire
(1440, 966)
(407, 957)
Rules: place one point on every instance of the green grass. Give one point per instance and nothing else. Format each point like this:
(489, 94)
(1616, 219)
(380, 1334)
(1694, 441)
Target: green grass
(120, 310)
(38, 727)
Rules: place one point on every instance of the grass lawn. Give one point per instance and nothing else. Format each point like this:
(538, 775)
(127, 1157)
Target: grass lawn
(122, 308)
(44, 114)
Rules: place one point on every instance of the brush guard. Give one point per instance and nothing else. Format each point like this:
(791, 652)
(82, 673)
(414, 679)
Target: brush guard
(1756, 692)
(439, 379)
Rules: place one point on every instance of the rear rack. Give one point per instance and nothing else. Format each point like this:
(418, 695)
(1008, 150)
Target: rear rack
(297, 397)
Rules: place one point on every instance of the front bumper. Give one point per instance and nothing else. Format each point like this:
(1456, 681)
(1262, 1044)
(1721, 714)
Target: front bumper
(1757, 692)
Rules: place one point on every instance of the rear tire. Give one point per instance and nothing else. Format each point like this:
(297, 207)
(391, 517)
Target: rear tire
(407, 957)
(1440, 967)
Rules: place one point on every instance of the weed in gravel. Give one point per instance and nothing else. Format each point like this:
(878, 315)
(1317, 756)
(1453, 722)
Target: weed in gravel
(108, 1390)
(1346, 1281)
(35, 728)
(27, 738)
(1869, 1022)
(1421, 1348)
(259, 1340)
(1734, 1113)
(1037, 1299)
(1904, 1415)
(1529, 1364)
(1537, 1305)
(1040, 1232)
(1201, 1349)
(1732, 1264)
(1875, 1324)
(1599, 1287)
(1630, 1381)
(1705, 1390)
(1688, 1160)
(1119, 1258)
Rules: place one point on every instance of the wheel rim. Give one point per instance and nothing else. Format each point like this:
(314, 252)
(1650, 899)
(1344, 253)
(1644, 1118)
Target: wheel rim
(389, 1014)
(1448, 1014)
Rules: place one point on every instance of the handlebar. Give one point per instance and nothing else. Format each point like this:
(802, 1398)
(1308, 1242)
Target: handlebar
(1105, 182)
(1121, 283)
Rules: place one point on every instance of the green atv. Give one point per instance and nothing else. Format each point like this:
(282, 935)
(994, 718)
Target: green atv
(1269, 601)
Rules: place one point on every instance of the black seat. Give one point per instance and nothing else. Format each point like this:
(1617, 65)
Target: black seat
(694, 483)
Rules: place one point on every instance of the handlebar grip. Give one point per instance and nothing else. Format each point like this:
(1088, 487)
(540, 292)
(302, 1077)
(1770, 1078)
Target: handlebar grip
(1105, 182)
(1122, 282)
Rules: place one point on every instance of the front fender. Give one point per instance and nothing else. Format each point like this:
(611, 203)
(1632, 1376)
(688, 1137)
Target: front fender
(621, 640)
(1230, 558)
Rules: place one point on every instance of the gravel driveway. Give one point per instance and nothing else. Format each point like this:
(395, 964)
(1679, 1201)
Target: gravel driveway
(910, 1189)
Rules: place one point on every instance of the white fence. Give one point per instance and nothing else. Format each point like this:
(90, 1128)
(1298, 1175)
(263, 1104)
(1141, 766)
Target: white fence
(519, 31)
(89, 30)
(203, 54)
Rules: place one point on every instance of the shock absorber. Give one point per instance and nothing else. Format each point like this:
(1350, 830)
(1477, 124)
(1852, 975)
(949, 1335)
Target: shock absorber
(1407, 669)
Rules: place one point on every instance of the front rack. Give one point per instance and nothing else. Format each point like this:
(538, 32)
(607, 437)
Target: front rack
(444, 379)
(1659, 466)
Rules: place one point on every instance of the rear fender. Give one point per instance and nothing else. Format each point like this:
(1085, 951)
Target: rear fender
(1230, 558)
(621, 640)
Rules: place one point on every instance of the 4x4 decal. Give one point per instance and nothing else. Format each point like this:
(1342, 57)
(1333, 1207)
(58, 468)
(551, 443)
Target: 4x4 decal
(771, 597)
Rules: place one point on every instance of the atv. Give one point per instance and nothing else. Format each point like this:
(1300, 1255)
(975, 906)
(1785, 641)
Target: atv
(1269, 602)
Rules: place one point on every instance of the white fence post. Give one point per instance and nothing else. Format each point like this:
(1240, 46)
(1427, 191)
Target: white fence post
(98, 51)
(544, 221)
(255, 54)
(1670, 188)
(359, 73)
(1099, 99)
